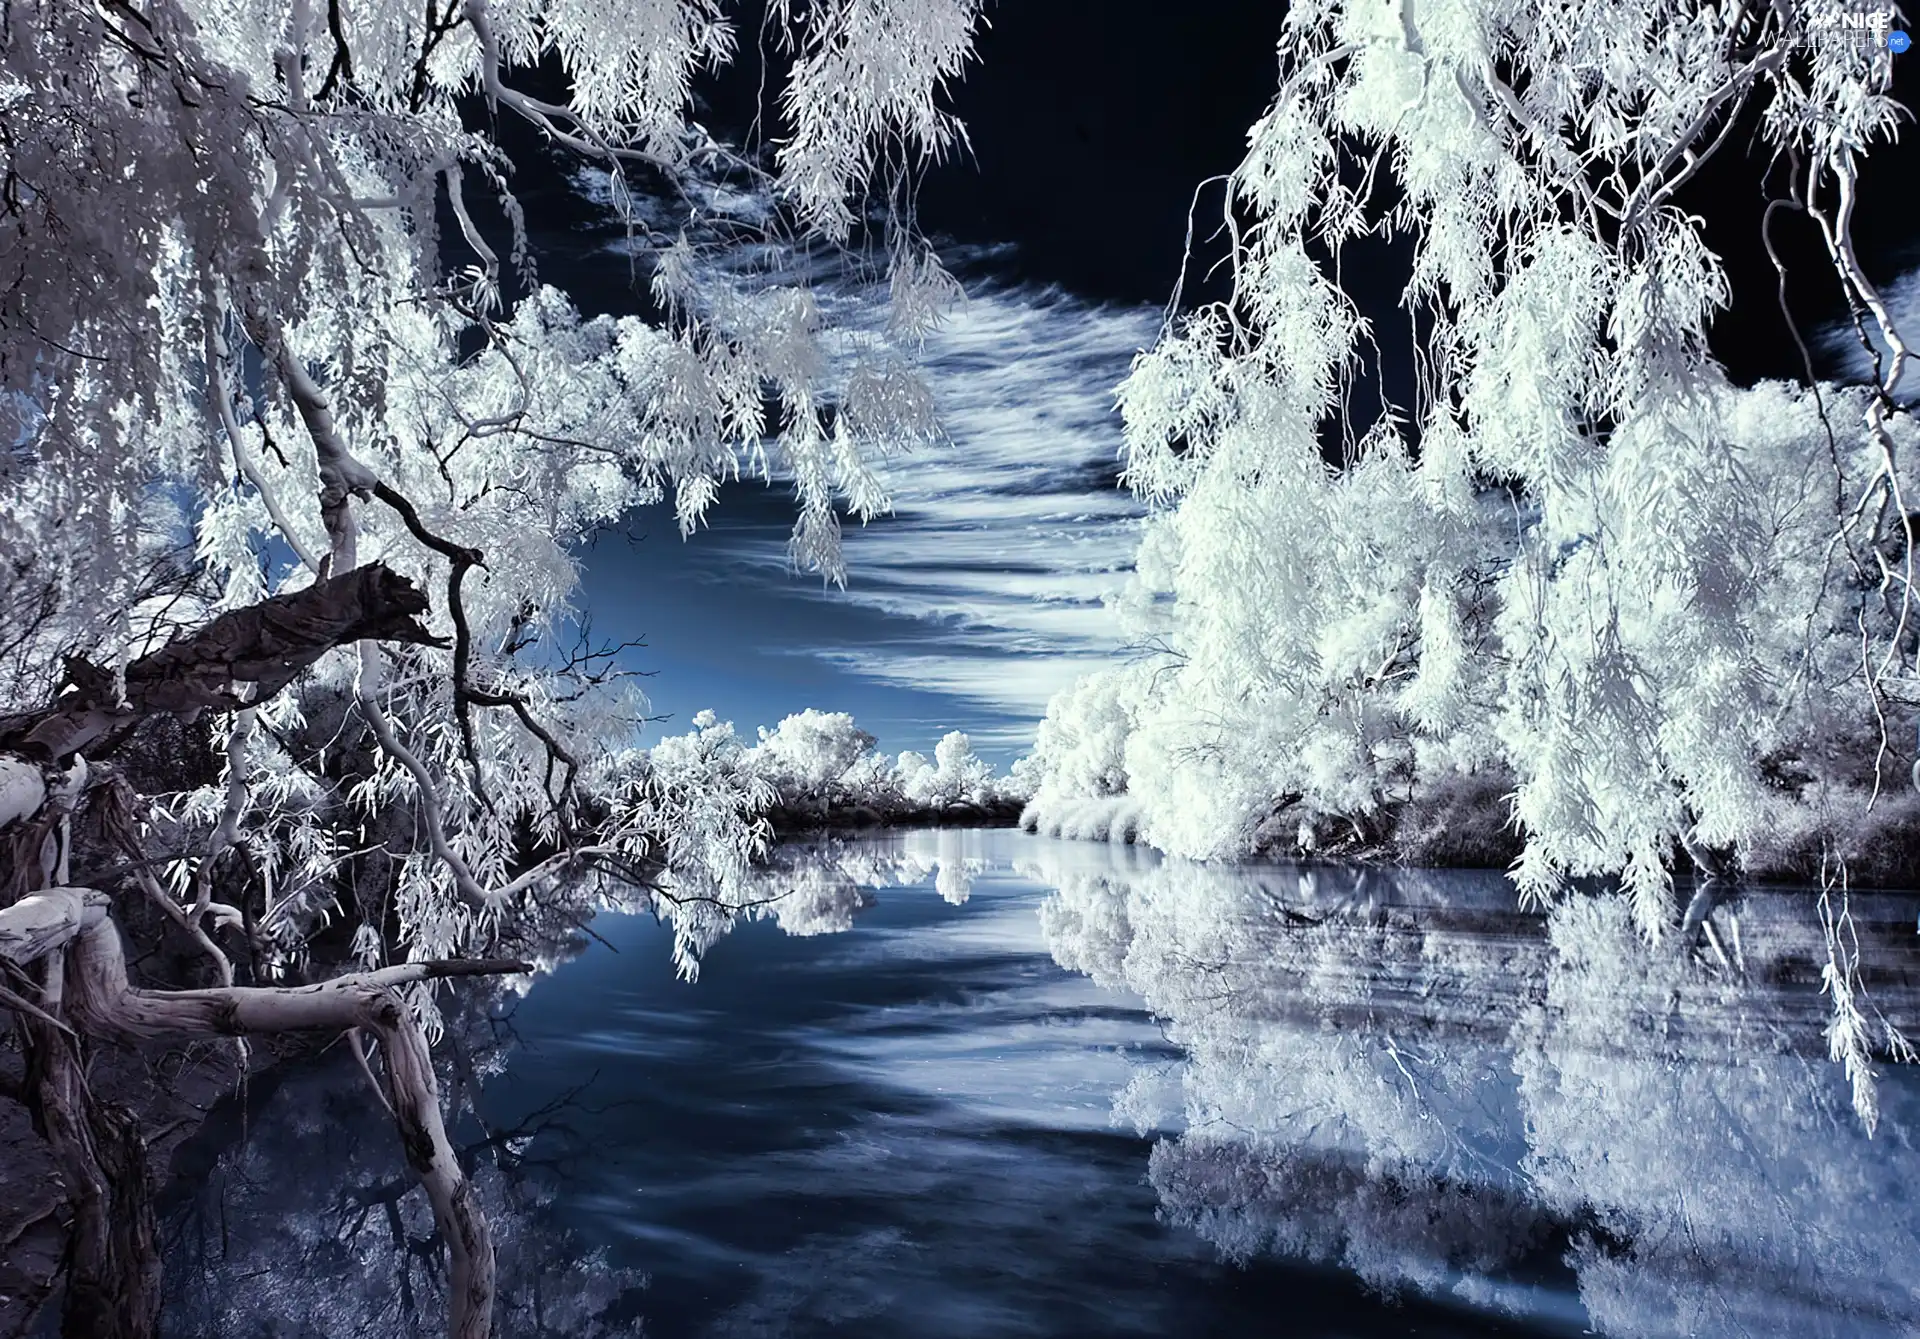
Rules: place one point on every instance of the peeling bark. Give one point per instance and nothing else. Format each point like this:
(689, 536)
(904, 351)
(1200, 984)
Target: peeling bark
(113, 1261)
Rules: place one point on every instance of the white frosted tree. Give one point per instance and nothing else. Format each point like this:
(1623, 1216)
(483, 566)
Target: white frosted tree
(817, 756)
(1667, 611)
(274, 418)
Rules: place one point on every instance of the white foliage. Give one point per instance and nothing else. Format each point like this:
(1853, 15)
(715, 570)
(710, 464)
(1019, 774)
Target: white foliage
(1604, 572)
(817, 755)
(235, 323)
(865, 69)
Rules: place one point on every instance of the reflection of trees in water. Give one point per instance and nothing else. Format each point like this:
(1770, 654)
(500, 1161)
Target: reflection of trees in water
(1393, 1072)
(1722, 1165)
(819, 886)
(1396, 1072)
(261, 1248)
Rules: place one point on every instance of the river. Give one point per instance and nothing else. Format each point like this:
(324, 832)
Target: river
(986, 1084)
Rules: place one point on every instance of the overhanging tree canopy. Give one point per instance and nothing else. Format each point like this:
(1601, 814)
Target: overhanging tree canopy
(230, 325)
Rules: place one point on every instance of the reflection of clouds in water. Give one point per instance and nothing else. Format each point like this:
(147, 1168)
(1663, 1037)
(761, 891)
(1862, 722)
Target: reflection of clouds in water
(1350, 1096)
(825, 1285)
(1026, 1242)
(1041, 1053)
(1011, 1045)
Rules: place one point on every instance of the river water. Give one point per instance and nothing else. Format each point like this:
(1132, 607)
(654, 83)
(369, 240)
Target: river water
(987, 1084)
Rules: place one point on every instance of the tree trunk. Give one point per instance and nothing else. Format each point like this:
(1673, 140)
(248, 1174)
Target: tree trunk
(113, 1261)
(101, 1154)
(113, 1265)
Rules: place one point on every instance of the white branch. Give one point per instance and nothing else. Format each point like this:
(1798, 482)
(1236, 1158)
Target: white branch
(367, 692)
(228, 832)
(217, 391)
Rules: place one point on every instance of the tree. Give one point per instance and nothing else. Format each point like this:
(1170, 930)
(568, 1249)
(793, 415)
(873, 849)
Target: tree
(1668, 612)
(261, 343)
(955, 776)
(812, 755)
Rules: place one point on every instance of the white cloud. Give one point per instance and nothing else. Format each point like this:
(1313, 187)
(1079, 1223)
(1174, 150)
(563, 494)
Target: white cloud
(1005, 543)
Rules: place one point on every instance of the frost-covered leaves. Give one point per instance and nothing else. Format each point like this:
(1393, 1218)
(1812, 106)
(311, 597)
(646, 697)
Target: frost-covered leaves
(817, 755)
(235, 312)
(632, 64)
(1597, 569)
(700, 793)
(865, 70)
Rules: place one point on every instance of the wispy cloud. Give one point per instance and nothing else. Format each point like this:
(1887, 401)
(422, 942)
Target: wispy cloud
(985, 585)
(1004, 544)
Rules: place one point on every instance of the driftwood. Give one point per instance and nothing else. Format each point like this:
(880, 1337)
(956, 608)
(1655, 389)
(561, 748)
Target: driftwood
(114, 1281)
(265, 645)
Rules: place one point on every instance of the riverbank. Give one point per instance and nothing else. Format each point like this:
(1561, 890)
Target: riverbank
(799, 820)
(1470, 825)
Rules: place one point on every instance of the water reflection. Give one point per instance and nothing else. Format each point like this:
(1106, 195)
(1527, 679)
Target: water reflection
(1397, 1072)
(292, 1217)
(1176, 1101)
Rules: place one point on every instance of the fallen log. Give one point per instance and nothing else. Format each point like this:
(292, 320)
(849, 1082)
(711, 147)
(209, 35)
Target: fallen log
(265, 645)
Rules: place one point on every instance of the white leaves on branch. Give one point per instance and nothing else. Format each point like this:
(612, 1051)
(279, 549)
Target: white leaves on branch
(1661, 606)
(239, 334)
(865, 70)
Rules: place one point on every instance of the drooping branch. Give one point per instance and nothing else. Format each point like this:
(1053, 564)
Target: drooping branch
(218, 391)
(367, 694)
(227, 832)
(343, 476)
(1836, 230)
(462, 560)
(561, 124)
(1660, 183)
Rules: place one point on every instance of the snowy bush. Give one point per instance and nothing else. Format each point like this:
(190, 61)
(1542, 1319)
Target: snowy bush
(819, 766)
(817, 755)
(956, 775)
